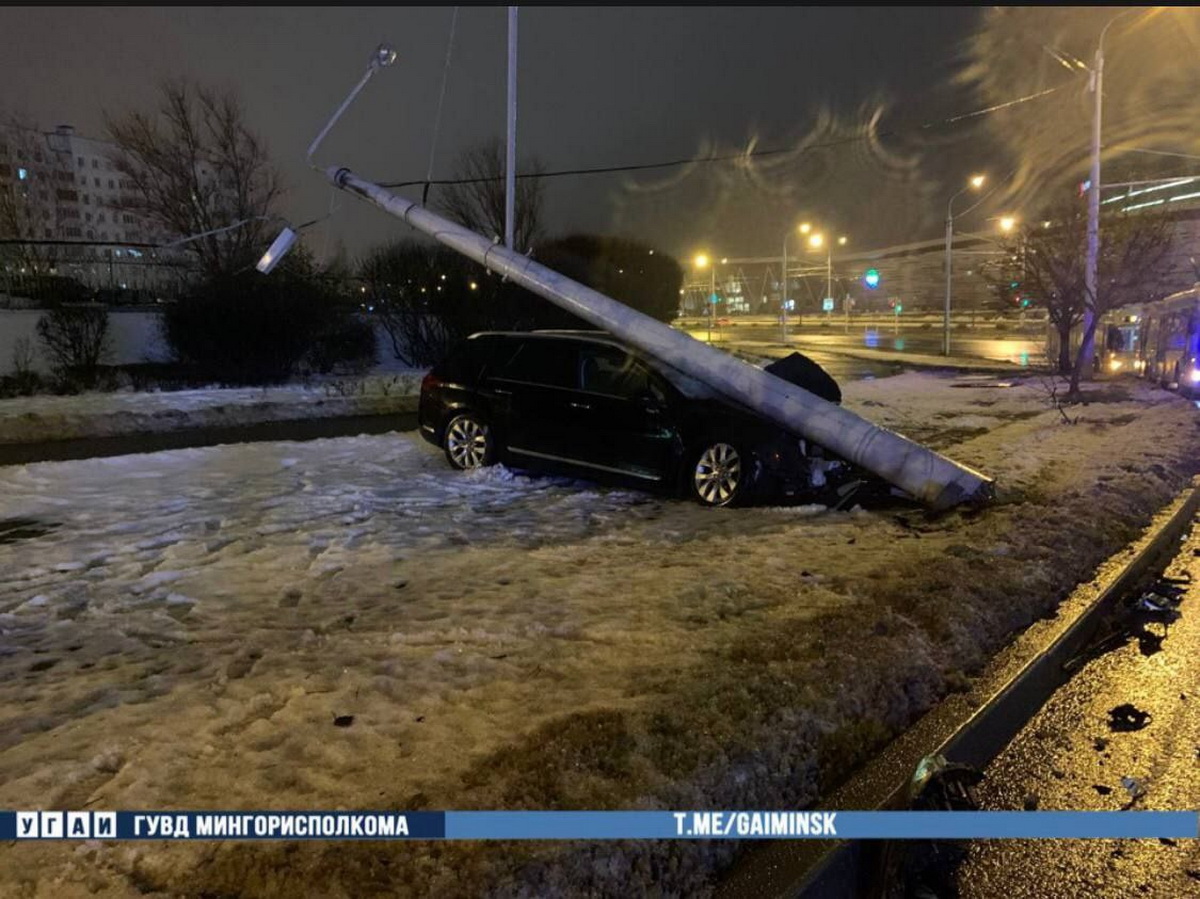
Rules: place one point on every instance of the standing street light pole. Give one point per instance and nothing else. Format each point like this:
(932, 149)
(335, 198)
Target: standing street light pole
(712, 297)
(510, 157)
(816, 241)
(783, 291)
(975, 183)
(702, 261)
(1090, 278)
(783, 301)
(829, 272)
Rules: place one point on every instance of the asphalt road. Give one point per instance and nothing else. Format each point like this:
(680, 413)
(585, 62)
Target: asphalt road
(1020, 349)
(1070, 756)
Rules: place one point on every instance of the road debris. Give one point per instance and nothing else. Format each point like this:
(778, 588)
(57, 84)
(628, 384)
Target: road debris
(1127, 717)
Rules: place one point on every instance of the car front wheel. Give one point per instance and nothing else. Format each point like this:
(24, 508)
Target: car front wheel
(720, 474)
(469, 442)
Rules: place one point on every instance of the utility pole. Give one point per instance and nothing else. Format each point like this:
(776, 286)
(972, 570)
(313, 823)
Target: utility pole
(783, 290)
(975, 183)
(949, 262)
(1088, 347)
(510, 180)
(829, 272)
(1091, 279)
(702, 260)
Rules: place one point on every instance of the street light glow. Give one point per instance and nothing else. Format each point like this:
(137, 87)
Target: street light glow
(701, 260)
(816, 240)
(1007, 223)
(841, 241)
(805, 228)
(977, 181)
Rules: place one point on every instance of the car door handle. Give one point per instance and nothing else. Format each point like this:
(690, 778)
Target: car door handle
(579, 405)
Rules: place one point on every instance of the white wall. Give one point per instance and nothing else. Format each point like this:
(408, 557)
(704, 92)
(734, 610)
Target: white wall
(133, 337)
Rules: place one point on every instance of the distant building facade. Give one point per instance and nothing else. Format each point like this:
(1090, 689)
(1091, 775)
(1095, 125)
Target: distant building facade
(65, 210)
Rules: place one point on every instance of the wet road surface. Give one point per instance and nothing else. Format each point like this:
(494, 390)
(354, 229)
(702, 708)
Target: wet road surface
(1026, 348)
(1133, 712)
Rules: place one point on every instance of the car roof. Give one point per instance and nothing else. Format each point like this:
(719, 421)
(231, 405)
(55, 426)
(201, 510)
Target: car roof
(589, 336)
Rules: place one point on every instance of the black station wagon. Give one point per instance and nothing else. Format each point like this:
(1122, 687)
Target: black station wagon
(583, 404)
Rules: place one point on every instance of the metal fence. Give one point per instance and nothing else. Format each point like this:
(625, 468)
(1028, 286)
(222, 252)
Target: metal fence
(34, 274)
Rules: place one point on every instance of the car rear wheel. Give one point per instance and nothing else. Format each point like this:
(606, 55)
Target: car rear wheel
(469, 442)
(720, 475)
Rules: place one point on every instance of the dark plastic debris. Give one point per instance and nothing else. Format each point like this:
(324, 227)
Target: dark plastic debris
(939, 785)
(1127, 717)
(343, 720)
(927, 867)
(1134, 787)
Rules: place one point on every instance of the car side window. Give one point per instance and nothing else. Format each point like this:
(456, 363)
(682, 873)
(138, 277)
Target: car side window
(544, 362)
(610, 371)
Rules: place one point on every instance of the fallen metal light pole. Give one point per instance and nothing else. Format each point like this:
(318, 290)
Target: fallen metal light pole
(932, 478)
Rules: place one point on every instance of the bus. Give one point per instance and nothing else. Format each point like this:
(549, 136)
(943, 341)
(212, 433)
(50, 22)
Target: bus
(1159, 341)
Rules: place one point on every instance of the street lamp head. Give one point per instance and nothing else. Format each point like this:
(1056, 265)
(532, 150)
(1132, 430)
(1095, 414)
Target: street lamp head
(805, 228)
(841, 241)
(1007, 223)
(276, 251)
(383, 56)
(977, 181)
(816, 240)
(701, 260)
(724, 260)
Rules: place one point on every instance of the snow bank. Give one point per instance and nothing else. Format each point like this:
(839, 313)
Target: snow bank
(39, 418)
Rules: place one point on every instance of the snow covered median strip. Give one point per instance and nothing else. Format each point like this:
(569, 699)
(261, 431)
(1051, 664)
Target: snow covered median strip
(186, 630)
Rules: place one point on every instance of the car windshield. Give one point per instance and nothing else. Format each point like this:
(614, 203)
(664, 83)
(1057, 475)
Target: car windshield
(687, 385)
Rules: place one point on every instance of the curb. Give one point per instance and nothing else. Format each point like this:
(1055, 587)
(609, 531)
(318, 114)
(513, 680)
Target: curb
(976, 734)
(300, 429)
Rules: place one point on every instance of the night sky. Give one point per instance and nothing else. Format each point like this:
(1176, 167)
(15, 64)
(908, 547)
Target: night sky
(598, 87)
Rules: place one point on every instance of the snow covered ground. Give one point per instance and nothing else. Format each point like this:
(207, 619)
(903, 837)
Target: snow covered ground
(180, 630)
(37, 418)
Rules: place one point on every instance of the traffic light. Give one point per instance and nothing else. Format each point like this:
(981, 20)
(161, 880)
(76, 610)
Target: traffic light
(871, 278)
(1016, 296)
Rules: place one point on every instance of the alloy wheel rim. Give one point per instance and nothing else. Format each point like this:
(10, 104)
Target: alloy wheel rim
(718, 473)
(467, 441)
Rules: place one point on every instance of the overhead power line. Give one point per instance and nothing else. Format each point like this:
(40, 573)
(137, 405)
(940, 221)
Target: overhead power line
(724, 157)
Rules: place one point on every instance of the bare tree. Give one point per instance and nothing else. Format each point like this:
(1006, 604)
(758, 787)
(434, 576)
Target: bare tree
(194, 166)
(76, 339)
(1134, 248)
(478, 202)
(426, 298)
